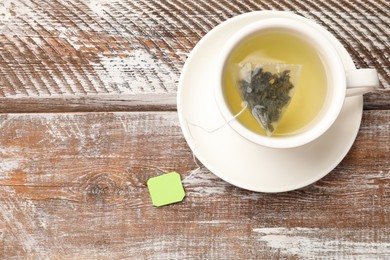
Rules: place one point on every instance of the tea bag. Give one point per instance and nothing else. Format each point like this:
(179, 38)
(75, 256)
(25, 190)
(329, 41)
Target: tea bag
(267, 89)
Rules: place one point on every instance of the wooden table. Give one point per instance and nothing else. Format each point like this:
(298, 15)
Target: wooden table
(88, 114)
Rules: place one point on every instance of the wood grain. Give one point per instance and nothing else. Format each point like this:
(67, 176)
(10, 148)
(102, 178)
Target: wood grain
(73, 169)
(51, 50)
(90, 103)
(73, 186)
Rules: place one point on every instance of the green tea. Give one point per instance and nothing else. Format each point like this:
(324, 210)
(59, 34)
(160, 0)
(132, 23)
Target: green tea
(310, 92)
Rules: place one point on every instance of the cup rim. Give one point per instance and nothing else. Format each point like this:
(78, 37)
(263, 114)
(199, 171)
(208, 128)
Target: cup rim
(328, 55)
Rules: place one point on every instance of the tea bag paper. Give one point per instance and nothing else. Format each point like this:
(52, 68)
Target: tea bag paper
(267, 89)
(166, 189)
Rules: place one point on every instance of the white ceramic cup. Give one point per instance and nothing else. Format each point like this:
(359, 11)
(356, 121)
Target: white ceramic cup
(340, 83)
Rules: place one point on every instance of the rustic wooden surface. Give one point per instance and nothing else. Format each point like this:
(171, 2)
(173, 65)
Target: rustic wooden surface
(87, 115)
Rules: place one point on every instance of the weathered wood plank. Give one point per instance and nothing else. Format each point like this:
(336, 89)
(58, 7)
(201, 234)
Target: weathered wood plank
(131, 102)
(73, 186)
(77, 48)
(90, 103)
(378, 99)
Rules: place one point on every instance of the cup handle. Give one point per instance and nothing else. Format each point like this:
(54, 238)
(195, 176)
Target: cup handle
(360, 81)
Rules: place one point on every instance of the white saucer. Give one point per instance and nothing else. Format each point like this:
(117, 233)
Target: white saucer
(237, 160)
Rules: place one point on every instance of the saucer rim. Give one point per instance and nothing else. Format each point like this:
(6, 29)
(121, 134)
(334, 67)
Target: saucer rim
(347, 60)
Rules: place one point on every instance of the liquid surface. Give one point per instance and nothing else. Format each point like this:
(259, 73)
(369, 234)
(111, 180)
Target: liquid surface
(310, 91)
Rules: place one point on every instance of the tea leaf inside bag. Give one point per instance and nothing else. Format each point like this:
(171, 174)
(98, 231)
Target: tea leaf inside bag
(268, 90)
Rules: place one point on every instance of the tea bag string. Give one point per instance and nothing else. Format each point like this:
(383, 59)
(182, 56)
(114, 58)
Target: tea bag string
(196, 170)
(244, 106)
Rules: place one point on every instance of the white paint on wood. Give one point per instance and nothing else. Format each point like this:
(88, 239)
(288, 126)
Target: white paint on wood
(99, 6)
(117, 64)
(120, 70)
(9, 161)
(312, 242)
(5, 10)
(18, 219)
(8, 165)
(203, 183)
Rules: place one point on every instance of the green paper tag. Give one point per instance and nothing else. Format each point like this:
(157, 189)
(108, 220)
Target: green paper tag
(166, 189)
